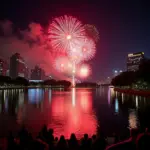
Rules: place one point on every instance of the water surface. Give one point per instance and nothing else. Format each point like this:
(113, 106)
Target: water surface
(75, 111)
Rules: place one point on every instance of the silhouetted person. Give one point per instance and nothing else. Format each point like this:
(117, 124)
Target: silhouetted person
(55, 142)
(44, 133)
(85, 143)
(10, 141)
(143, 141)
(62, 143)
(23, 135)
(93, 138)
(50, 138)
(99, 142)
(39, 145)
(129, 144)
(73, 142)
(116, 138)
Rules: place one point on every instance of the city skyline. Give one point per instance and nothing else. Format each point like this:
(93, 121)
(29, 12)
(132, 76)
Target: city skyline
(123, 28)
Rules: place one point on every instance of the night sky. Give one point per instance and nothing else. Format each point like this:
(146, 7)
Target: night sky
(123, 25)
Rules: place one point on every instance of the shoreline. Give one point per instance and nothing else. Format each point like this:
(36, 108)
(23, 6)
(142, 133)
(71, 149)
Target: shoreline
(133, 92)
(52, 87)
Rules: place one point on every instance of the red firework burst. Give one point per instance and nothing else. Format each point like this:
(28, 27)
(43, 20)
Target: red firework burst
(88, 49)
(84, 71)
(61, 64)
(63, 31)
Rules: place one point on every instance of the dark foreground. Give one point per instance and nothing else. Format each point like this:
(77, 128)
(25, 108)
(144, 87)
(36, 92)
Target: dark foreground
(46, 140)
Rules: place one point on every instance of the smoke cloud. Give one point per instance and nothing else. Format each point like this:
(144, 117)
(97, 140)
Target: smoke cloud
(31, 43)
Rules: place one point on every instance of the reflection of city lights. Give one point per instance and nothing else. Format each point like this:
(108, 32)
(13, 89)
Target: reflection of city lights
(35, 95)
(116, 105)
(0, 107)
(73, 97)
(122, 98)
(109, 95)
(50, 95)
(21, 98)
(136, 99)
(133, 121)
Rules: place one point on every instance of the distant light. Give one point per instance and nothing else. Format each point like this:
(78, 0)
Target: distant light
(129, 55)
(116, 71)
(120, 71)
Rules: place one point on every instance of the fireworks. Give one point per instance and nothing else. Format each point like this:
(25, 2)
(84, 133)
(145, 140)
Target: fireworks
(61, 64)
(64, 31)
(84, 71)
(88, 49)
(75, 42)
(84, 50)
(91, 32)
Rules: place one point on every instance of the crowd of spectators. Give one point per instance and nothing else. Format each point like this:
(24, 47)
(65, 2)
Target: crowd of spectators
(46, 141)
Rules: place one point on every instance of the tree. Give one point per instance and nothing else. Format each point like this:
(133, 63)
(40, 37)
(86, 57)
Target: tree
(21, 81)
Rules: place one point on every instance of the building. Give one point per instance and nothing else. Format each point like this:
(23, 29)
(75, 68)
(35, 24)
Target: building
(18, 67)
(3, 67)
(134, 60)
(37, 73)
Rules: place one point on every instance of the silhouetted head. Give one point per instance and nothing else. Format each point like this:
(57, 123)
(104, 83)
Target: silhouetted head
(143, 142)
(73, 137)
(134, 132)
(56, 139)
(50, 131)
(44, 127)
(86, 136)
(62, 138)
(94, 137)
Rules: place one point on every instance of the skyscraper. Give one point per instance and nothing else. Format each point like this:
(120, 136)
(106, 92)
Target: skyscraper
(3, 67)
(18, 68)
(37, 73)
(134, 60)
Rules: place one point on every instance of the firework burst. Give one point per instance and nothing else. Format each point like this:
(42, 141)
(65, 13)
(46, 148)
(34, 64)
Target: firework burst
(84, 71)
(63, 31)
(61, 64)
(88, 49)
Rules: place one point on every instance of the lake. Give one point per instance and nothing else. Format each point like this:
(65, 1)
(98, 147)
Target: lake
(76, 111)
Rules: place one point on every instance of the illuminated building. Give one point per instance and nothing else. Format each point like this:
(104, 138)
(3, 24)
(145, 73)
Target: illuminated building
(134, 60)
(37, 73)
(18, 67)
(3, 67)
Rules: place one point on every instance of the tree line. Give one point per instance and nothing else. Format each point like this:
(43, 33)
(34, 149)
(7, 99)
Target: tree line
(8, 81)
(138, 79)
